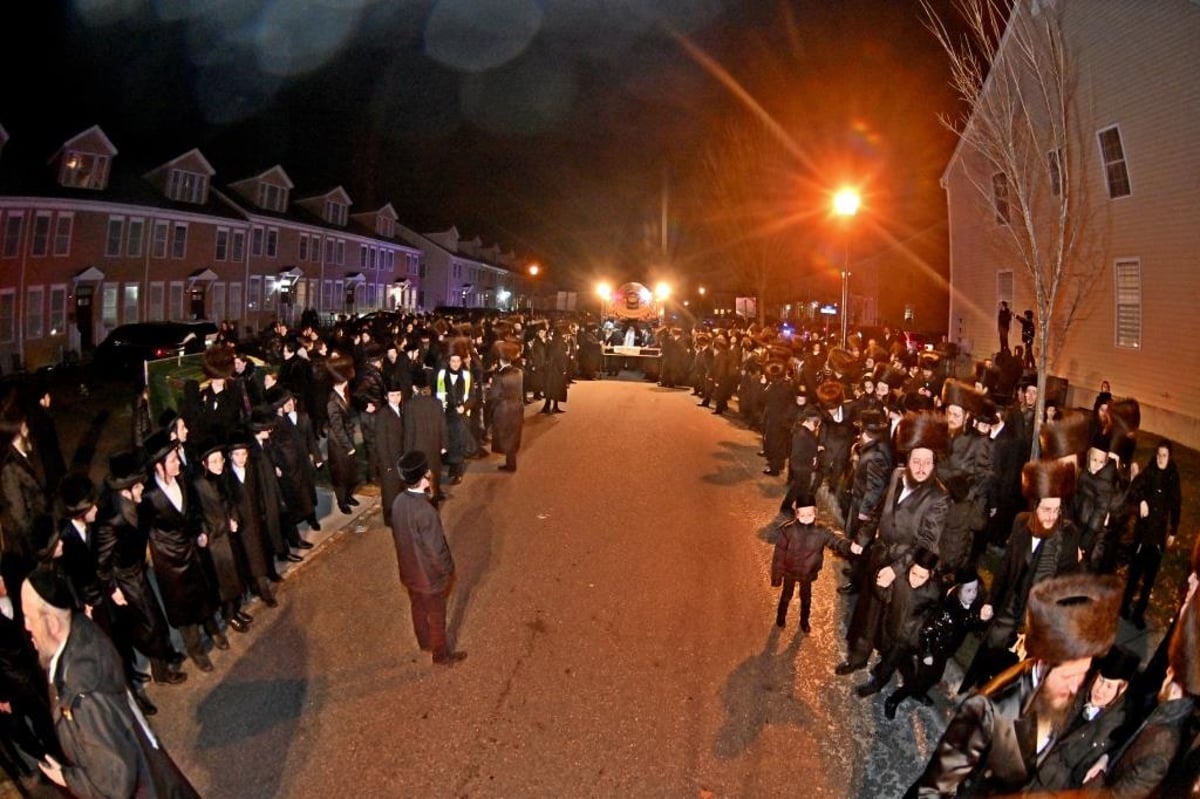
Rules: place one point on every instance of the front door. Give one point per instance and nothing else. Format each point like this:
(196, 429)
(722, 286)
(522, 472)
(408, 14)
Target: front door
(197, 296)
(83, 316)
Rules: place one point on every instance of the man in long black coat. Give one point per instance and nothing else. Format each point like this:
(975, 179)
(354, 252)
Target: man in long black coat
(108, 747)
(277, 520)
(425, 429)
(868, 485)
(506, 398)
(423, 556)
(292, 446)
(389, 441)
(914, 512)
(22, 499)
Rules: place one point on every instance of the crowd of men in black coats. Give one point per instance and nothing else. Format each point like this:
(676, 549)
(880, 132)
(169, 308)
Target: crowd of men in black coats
(928, 471)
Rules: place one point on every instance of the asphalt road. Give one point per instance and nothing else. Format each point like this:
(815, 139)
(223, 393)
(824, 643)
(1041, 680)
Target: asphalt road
(614, 599)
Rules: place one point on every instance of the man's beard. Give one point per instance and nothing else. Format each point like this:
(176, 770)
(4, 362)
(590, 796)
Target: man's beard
(1043, 706)
(913, 482)
(1040, 531)
(955, 430)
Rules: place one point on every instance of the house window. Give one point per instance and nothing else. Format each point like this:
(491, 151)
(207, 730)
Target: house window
(371, 260)
(271, 197)
(221, 250)
(254, 298)
(187, 187)
(235, 300)
(62, 234)
(84, 170)
(130, 311)
(256, 240)
(155, 310)
(1127, 290)
(108, 305)
(175, 302)
(1000, 197)
(112, 242)
(341, 252)
(272, 242)
(8, 316)
(12, 234)
(1112, 155)
(134, 237)
(269, 285)
(179, 242)
(327, 302)
(1004, 287)
(314, 254)
(161, 231)
(239, 246)
(303, 247)
(328, 250)
(35, 312)
(58, 309)
(1054, 165)
(362, 256)
(41, 234)
(218, 300)
(335, 213)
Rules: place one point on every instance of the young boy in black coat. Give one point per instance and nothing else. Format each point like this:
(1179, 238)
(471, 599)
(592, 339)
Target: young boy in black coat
(799, 554)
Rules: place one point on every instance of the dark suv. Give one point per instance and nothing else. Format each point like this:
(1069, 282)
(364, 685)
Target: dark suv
(128, 346)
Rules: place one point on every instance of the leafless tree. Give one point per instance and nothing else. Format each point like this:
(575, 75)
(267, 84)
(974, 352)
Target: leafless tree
(1022, 151)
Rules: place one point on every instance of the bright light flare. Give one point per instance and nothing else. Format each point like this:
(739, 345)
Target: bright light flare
(604, 291)
(534, 270)
(846, 202)
(662, 291)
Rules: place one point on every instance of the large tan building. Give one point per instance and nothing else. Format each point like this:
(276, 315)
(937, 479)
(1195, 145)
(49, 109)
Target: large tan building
(1134, 118)
(86, 245)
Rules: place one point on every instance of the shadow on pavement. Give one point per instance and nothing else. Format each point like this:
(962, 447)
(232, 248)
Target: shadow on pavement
(760, 693)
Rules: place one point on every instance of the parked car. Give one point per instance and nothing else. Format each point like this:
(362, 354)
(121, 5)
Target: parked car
(127, 347)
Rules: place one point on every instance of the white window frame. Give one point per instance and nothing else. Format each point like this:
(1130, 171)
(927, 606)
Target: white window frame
(74, 174)
(362, 256)
(64, 226)
(176, 296)
(161, 243)
(1121, 163)
(272, 242)
(341, 252)
(217, 296)
(12, 234)
(39, 239)
(329, 249)
(221, 244)
(155, 299)
(302, 251)
(114, 233)
(237, 246)
(236, 306)
(179, 237)
(187, 187)
(135, 237)
(254, 294)
(57, 312)
(35, 311)
(258, 237)
(131, 303)
(1127, 303)
(110, 295)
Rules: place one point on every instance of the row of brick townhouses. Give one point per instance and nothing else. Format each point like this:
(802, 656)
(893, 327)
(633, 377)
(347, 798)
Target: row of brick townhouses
(87, 244)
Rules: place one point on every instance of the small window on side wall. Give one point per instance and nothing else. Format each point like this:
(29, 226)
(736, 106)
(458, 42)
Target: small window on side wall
(1127, 292)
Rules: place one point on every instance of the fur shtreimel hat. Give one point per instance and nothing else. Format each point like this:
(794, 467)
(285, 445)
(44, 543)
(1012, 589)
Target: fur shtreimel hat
(1072, 617)
(77, 493)
(218, 362)
(779, 352)
(1047, 480)
(1126, 416)
(508, 351)
(125, 470)
(956, 392)
(831, 394)
(339, 368)
(929, 360)
(916, 402)
(1063, 437)
(373, 350)
(461, 347)
(1183, 653)
(842, 361)
(922, 431)
(413, 465)
(891, 376)
(774, 370)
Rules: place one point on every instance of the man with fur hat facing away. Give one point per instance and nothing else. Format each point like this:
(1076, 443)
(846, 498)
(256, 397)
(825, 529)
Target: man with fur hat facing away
(778, 404)
(505, 397)
(1044, 543)
(423, 555)
(970, 453)
(344, 472)
(222, 404)
(873, 464)
(837, 433)
(914, 511)
(997, 736)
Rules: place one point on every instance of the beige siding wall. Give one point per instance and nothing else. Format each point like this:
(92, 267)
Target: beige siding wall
(1137, 65)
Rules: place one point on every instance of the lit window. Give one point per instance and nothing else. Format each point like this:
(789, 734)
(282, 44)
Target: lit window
(84, 170)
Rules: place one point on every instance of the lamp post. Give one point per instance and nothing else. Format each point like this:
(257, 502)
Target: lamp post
(534, 271)
(845, 205)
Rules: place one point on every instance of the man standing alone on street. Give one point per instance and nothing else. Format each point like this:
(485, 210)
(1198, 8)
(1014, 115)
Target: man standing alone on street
(426, 566)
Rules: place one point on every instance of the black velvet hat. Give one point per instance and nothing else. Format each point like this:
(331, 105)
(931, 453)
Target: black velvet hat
(413, 466)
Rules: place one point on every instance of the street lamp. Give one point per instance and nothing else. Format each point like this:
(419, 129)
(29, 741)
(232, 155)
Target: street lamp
(845, 205)
(534, 271)
(604, 292)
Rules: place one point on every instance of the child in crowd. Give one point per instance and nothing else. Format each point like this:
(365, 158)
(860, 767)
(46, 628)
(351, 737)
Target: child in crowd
(799, 554)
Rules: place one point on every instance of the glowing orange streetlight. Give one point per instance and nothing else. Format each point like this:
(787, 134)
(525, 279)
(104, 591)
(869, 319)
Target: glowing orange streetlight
(845, 204)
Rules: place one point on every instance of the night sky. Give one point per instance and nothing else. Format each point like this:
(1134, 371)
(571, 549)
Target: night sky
(549, 127)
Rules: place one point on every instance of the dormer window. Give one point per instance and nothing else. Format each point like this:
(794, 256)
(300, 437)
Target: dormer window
(272, 197)
(386, 227)
(335, 213)
(84, 170)
(187, 187)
